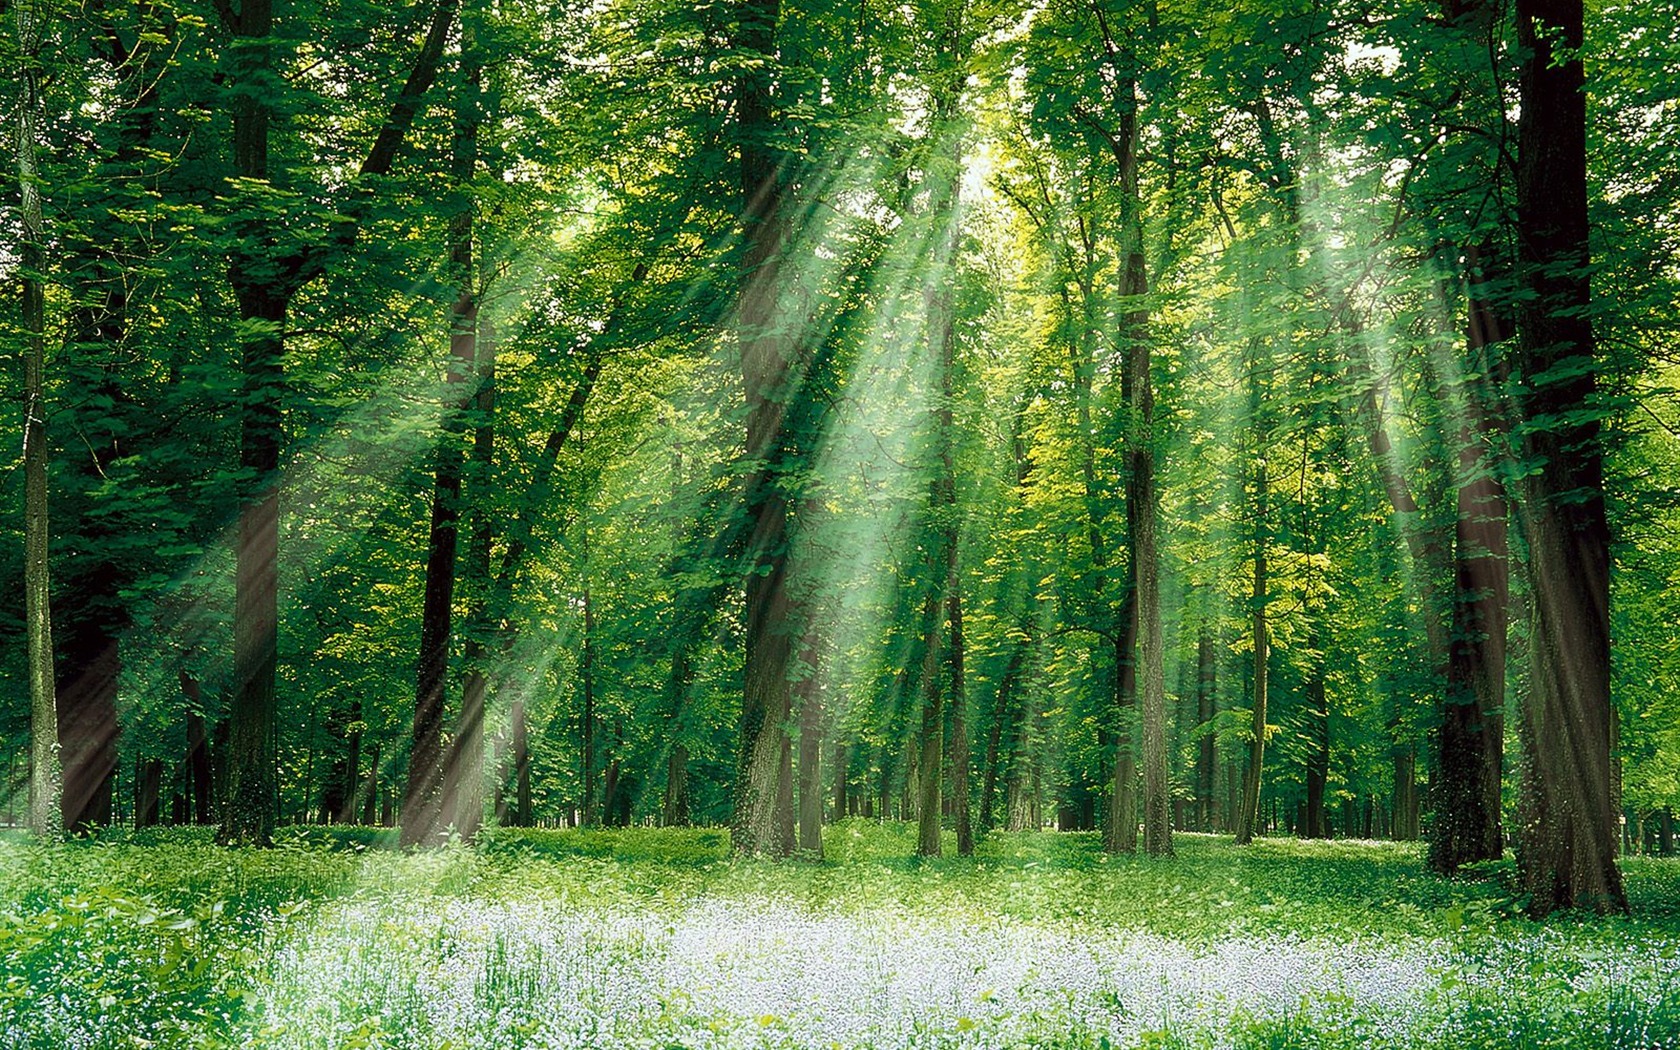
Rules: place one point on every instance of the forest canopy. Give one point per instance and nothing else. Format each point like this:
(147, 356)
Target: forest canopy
(1138, 416)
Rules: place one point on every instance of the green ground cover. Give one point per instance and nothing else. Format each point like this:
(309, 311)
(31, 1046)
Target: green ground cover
(658, 938)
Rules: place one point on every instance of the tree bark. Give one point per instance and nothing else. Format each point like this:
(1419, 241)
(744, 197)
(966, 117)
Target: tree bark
(1207, 745)
(1567, 854)
(929, 766)
(586, 675)
(46, 782)
(809, 692)
(1316, 824)
(264, 276)
(1248, 817)
(1466, 826)
(765, 776)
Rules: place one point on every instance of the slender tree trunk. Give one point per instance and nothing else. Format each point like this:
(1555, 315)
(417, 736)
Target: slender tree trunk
(676, 808)
(521, 768)
(198, 751)
(809, 692)
(930, 762)
(1207, 745)
(427, 807)
(1316, 824)
(842, 789)
(1002, 717)
(46, 782)
(960, 787)
(1568, 844)
(586, 675)
(1248, 817)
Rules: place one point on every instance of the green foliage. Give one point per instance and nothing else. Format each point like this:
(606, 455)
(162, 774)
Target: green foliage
(185, 944)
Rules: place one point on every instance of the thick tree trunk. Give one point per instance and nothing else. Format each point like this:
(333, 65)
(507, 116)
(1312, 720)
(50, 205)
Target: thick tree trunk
(1142, 511)
(423, 800)
(87, 707)
(46, 782)
(251, 808)
(1568, 844)
(765, 775)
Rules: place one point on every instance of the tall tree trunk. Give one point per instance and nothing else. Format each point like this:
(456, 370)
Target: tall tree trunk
(90, 668)
(842, 794)
(1143, 507)
(809, 692)
(1469, 743)
(960, 788)
(1568, 845)
(46, 783)
(251, 807)
(1003, 717)
(1316, 824)
(463, 777)
(586, 676)
(765, 775)
(929, 765)
(264, 276)
(427, 807)
(1207, 745)
(1248, 817)
(521, 767)
(198, 751)
(148, 782)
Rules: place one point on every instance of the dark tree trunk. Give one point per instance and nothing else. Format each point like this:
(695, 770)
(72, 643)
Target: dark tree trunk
(45, 772)
(87, 710)
(521, 768)
(765, 776)
(676, 808)
(1003, 718)
(586, 675)
(961, 791)
(370, 788)
(842, 796)
(1568, 842)
(425, 808)
(1316, 823)
(1207, 745)
(930, 765)
(198, 753)
(148, 781)
(809, 691)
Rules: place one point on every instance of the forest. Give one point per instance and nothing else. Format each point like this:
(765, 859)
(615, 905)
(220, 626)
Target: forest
(582, 506)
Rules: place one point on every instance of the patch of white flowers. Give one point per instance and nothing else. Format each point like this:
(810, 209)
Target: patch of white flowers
(725, 973)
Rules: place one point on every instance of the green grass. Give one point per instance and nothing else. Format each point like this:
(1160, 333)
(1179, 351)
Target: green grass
(659, 938)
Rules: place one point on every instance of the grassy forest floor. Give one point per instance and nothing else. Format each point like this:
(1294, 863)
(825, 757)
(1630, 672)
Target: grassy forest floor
(659, 939)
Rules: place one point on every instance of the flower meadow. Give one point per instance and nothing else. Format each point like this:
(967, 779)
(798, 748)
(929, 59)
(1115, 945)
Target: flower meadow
(659, 939)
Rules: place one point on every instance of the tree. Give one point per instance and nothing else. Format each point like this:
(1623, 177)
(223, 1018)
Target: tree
(1570, 838)
(46, 782)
